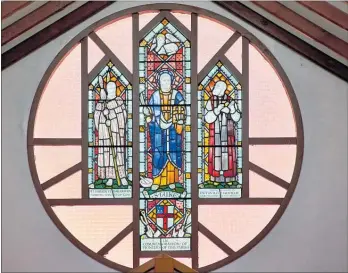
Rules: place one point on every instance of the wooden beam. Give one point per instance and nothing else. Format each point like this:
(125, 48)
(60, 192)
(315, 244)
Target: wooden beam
(61, 176)
(176, 254)
(84, 117)
(245, 116)
(272, 140)
(269, 176)
(328, 11)
(32, 19)
(164, 264)
(51, 32)
(213, 61)
(98, 67)
(108, 52)
(57, 141)
(90, 202)
(217, 241)
(283, 36)
(118, 238)
(135, 139)
(194, 138)
(10, 7)
(240, 201)
(305, 26)
(146, 267)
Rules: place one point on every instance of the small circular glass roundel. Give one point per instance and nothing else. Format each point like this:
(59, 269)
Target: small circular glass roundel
(160, 130)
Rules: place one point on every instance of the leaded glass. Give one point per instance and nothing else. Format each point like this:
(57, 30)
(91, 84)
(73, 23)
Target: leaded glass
(110, 135)
(165, 139)
(220, 135)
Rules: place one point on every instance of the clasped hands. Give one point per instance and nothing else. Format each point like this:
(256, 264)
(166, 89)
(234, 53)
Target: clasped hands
(225, 108)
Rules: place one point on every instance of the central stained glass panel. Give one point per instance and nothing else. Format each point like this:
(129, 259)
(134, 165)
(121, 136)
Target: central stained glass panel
(165, 139)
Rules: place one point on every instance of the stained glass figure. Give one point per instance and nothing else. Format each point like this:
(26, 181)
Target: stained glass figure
(165, 79)
(220, 135)
(165, 224)
(109, 135)
(165, 139)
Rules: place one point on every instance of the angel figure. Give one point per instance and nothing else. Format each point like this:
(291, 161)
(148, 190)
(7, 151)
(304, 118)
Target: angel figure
(149, 231)
(165, 44)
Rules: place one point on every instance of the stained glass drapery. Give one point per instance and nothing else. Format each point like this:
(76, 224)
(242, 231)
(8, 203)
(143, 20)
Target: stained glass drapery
(110, 135)
(220, 135)
(165, 139)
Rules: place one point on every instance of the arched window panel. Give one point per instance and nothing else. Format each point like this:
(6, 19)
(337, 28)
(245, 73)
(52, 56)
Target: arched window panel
(165, 137)
(110, 135)
(215, 124)
(220, 135)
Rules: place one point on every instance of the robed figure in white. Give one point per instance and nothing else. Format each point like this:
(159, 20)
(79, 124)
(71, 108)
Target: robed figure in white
(110, 121)
(222, 115)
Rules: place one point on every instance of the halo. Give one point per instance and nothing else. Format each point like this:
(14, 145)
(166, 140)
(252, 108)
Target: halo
(165, 71)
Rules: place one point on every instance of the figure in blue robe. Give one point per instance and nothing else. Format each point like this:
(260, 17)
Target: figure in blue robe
(165, 127)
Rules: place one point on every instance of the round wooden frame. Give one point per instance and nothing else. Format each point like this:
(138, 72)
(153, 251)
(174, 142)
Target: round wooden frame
(213, 16)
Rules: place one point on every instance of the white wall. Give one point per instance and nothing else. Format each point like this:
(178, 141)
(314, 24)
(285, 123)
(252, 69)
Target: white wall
(311, 235)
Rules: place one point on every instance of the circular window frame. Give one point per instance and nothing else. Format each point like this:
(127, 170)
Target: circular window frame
(186, 9)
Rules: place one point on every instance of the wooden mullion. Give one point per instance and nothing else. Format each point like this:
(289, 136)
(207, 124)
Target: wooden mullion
(120, 66)
(84, 117)
(176, 254)
(221, 53)
(90, 202)
(194, 140)
(98, 67)
(57, 142)
(272, 140)
(63, 175)
(245, 116)
(240, 201)
(216, 240)
(269, 176)
(135, 140)
(118, 238)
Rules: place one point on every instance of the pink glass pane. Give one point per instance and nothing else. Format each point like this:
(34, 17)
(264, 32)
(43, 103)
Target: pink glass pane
(59, 111)
(184, 18)
(68, 188)
(208, 252)
(95, 54)
(211, 37)
(236, 225)
(185, 261)
(145, 18)
(94, 226)
(144, 260)
(276, 159)
(53, 160)
(122, 253)
(234, 54)
(270, 113)
(118, 37)
(261, 187)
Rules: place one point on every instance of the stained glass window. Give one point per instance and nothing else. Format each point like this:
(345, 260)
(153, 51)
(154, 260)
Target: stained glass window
(216, 134)
(110, 135)
(220, 135)
(165, 139)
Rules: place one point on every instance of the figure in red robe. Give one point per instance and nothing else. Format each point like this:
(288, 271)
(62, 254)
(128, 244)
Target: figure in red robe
(222, 114)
